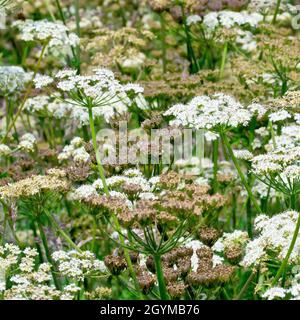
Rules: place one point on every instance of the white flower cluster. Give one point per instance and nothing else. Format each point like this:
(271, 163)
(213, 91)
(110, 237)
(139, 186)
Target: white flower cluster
(229, 19)
(27, 142)
(4, 150)
(215, 112)
(131, 176)
(76, 151)
(133, 62)
(193, 19)
(282, 164)
(41, 81)
(77, 265)
(275, 236)
(279, 116)
(228, 240)
(292, 292)
(13, 79)
(274, 293)
(243, 154)
(99, 91)
(42, 30)
(9, 256)
(26, 281)
(51, 107)
(115, 183)
(246, 40)
(288, 138)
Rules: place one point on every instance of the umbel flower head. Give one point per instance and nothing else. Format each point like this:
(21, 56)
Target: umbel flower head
(42, 31)
(33, 186)
(218, 112)
(13, 79)
(99, 91)
(279, 169)
(274, 238)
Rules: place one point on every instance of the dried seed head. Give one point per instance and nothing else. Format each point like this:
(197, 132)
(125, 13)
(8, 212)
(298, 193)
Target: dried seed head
(233, 253)
(176, 290)
(115, 264)
(146, 281)
(205, 253)
(184, 266)
(100, 293)
(78, 173)
(224, 273)
(159, 5)
(170, 274)
(176, 13)
(208, 235)
(170, 180)
(132, 190)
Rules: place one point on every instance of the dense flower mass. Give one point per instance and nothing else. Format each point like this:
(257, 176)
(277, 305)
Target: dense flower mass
(275, 235)
(12, 79)
(43, 30)
(218, 111)
(150, 149)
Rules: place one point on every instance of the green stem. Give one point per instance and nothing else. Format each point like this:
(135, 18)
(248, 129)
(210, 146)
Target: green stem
(126, 255)
(234, 210)
(98, 159)
(194, 68)
(249, 209)
(240, 172)
(47, 252)
(62, 16)
(200, 148)
(78, 32)
(273, 135)
(223, 61)
(276, 11)
(284, 263)
(60, 11)
(245, 286)
(215, 164)
(163, 43)
(249, 217)
(105, 188)
(160, 278)
(11, 224)
(4, 229)
(28, 91)
(293, 201)
(62, 233)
